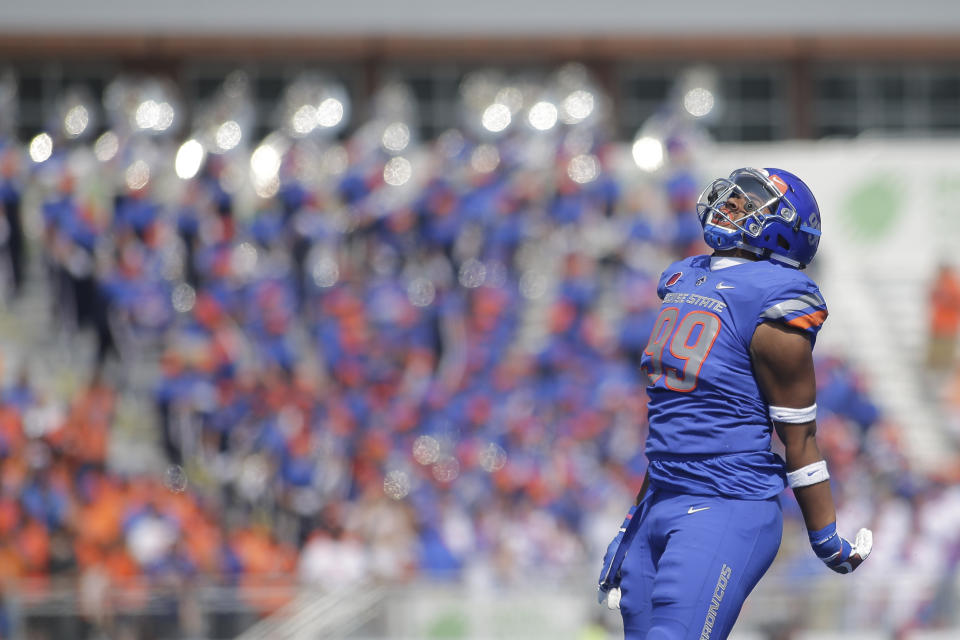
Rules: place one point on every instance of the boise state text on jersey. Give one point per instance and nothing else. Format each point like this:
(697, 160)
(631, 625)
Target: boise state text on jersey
(710, 432)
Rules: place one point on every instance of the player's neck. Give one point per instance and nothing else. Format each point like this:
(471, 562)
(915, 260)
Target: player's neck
(735, 253)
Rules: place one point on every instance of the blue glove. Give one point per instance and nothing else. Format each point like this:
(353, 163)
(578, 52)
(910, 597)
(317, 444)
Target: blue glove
(836, 552)
(609, 583)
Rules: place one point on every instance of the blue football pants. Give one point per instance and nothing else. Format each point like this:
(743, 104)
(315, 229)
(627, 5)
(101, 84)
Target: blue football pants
(693, 562)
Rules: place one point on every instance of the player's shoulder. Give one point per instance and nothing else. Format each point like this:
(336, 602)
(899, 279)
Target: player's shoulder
(792, 297)
(685, 265)
(774, 290)
(676, 271)
(776, 274)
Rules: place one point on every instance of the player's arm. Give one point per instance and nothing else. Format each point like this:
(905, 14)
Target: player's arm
(609, 583)
(783, 367)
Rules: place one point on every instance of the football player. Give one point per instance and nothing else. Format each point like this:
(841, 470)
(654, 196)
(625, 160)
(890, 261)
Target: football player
(729, 361)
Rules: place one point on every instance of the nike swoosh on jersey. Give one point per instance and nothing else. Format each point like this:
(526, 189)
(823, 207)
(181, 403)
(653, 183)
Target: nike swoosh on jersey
(720, 285)
(694, 509)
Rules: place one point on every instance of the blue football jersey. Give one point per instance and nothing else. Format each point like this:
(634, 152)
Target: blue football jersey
(710, 429)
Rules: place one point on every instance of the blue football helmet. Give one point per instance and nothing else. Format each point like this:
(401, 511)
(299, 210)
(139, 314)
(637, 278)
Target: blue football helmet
(769, 212)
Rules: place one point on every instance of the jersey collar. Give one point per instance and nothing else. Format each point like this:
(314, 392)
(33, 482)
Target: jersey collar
(722, 262)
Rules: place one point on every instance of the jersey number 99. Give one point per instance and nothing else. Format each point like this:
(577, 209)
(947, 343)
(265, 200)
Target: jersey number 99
(687, 342)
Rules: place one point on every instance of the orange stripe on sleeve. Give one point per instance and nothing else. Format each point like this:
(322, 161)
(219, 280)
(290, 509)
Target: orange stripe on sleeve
(808, 321)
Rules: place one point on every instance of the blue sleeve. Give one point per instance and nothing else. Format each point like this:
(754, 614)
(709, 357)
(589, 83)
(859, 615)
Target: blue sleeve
(796, 301)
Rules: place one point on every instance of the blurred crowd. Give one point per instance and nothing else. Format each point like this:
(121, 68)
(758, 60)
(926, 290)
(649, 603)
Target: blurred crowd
(375, 366)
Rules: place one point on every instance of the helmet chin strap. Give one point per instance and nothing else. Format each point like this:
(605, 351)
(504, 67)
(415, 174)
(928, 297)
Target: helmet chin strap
(769, 255)
(790, 262)
(746, 247)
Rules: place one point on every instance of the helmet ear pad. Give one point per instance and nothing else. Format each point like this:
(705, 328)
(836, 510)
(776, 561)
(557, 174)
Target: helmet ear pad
(793, 232)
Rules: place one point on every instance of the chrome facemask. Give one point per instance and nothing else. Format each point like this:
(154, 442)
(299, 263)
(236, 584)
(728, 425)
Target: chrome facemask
(760, 199)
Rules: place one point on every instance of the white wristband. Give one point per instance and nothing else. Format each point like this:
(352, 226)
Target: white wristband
(813, 473)
(793, 416)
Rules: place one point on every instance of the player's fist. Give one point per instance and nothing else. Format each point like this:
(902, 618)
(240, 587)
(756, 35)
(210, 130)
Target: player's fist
(837, 552)
(859, 551)
(611, 598)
